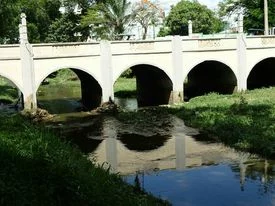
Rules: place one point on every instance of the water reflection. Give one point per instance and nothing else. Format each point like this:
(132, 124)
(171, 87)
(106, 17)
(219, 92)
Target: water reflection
(59, 99)
(186, 171)
(127, 103)
(171, 161)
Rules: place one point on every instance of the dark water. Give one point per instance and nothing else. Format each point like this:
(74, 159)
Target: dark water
(172, 163)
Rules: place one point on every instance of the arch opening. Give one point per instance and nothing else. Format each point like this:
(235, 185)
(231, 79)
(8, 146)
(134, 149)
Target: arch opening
(262, 75)
(11, 97)
(150, 86)
(207, 77)
(69, 90)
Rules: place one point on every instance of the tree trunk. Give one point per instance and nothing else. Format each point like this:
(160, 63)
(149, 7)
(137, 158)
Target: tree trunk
(144, 33)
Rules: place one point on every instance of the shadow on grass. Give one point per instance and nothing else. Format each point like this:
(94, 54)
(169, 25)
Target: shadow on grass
(126, 94)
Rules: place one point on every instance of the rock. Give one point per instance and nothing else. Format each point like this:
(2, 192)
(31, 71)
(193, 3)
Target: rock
(109, 108)
(37, 115)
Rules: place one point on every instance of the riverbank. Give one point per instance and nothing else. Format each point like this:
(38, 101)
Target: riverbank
(38, 168)
(244, 121)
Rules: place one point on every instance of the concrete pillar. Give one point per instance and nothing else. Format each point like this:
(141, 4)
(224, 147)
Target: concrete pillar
(177, 93)
(106, 71)
(242, 60)
(240, 23)
(27, 66)
(190, 28)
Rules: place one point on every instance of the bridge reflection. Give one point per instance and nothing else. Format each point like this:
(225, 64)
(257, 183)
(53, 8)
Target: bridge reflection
(124, 154)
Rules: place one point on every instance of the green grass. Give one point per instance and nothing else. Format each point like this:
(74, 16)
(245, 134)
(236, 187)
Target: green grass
(63, 76)
(37, 168)
(245, 121)
(125, 87)
(8, 91)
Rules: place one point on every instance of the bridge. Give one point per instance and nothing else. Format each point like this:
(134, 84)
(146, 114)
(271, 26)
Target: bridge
(162, 67)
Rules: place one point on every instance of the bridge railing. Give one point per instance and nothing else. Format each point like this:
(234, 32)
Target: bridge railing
(9, 52)
(58, 50)
(213, 44)
(260, 42)
(141, 47)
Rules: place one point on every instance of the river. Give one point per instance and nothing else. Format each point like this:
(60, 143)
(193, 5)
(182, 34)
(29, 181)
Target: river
(176, 164)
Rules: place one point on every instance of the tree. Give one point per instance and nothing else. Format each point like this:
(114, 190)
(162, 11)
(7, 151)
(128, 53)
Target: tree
(253, 12)
(108, 20)
(40, 15)
(147, 13)
(204, 20)
(9, 20)
(64, 29)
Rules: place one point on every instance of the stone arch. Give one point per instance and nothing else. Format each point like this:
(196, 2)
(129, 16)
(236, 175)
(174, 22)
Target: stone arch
(262, 74)
(91, 90)
(128, 66)
(210, 76)
(11, 79)
(55, 69)
(154, 86)
(13, 94)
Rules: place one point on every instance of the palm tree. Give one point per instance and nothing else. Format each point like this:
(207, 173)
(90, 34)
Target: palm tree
(108, 20)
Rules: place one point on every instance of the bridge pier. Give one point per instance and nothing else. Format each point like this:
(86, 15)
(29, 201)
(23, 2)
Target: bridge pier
(242, 59)
(106, 71)
(27, 66)
(177, 94)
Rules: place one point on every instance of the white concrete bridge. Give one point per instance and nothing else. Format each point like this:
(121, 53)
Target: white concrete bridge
(161, 67)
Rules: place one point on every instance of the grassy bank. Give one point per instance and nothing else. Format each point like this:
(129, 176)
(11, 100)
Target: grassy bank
(8, 92)
(37, 168)
(125, 87)
(244, 121)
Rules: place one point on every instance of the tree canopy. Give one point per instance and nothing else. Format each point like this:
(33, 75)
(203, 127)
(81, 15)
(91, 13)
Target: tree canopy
(108, 20)
(46, 22)
(146, 14)
(204, 20)
(253, 11)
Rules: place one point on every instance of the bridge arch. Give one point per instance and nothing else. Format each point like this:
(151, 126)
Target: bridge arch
(91, 90)
(40, 78)
(119, 71)
(13, 80)
(11, 93)
(262, 74)
(153, 85)
(209, 76)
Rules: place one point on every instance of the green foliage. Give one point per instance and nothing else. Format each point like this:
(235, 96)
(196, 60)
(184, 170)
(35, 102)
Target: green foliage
(146, 15)
(244, 121)
(64, 29)
(37, 168)
(125, 87)
(204, 20)
(63, 76)
(8, 91)
(108, 20)
(253, 12)
(45, 21)
(9, 19)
